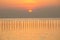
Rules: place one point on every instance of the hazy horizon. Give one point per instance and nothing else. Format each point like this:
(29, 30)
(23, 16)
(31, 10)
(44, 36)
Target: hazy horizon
(40, 9)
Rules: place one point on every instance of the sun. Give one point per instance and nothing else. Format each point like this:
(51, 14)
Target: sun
(30, 10)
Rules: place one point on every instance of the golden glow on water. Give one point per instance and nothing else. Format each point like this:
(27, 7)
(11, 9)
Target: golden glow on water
(29, 29)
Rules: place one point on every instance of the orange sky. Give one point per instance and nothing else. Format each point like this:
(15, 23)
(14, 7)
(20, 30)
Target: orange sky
(27, 4)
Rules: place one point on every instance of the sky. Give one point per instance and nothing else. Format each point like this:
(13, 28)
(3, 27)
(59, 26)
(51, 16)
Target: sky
(29, 9)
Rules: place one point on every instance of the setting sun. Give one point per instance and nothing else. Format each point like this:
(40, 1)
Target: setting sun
(30, 10)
